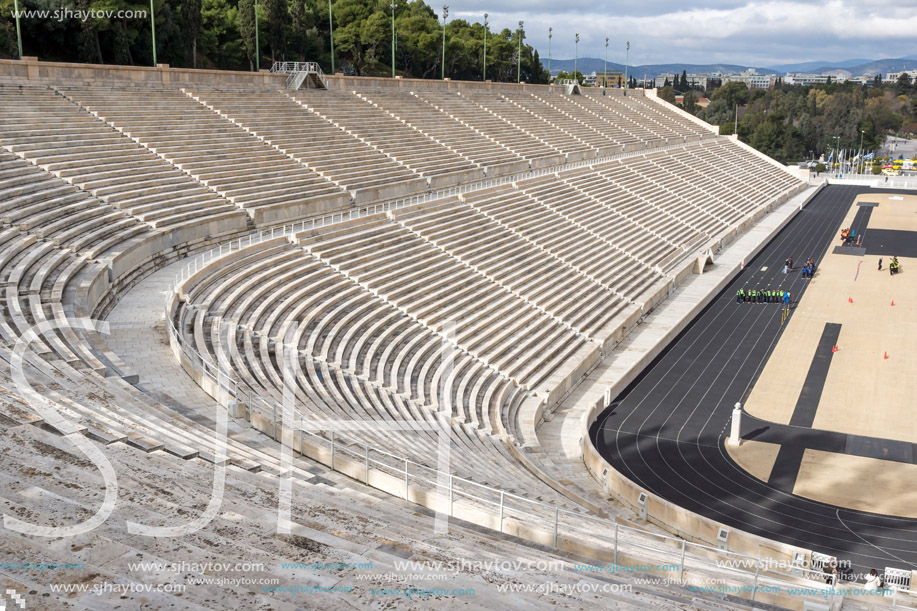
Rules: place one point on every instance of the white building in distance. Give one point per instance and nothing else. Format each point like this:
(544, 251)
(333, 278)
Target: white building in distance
(892, 77)
(811, 79)
(752, 79)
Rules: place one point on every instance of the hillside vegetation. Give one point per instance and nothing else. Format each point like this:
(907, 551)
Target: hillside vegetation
(791, 123)
(221, 34)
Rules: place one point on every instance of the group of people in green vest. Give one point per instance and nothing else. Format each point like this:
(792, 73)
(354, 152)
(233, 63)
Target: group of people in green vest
(893, 266)
(762, 296)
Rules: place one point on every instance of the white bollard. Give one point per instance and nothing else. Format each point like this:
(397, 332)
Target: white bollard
(735, 437)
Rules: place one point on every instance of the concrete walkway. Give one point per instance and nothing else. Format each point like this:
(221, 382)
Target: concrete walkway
(138, 335)
(560, 438)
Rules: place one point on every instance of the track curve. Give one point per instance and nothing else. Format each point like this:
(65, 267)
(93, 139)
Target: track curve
(666, 431)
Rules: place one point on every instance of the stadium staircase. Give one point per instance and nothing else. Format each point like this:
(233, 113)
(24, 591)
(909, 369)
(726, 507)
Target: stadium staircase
(301, 73)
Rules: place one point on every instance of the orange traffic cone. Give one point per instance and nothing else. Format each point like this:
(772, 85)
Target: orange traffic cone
(850, 299)
(893, 302)
(886, 356)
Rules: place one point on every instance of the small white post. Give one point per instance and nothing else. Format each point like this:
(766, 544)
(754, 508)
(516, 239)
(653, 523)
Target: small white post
(735, 434)
(405, 479)
(501, 510)
(615, 560)
(366, 464)
(681, 567)
(332, 449)
(757, 574)
(556, 520)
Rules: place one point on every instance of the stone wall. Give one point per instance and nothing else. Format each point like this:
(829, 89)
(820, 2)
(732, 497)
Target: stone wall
(31, 70)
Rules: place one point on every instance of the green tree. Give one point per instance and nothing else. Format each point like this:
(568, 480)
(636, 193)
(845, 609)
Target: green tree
(732, 94)
(170, 41)
(220, 40)
(570, 75)
(418, 34)
(90, 50)
(359, 32)
(278, 18)
(689, 102)
(667, 94)
(716, 113)
(772, 136)
(121, 44)
(247, 30)
(192, 20)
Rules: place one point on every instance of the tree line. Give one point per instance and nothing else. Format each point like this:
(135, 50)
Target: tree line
(790, 123)
(220, 34)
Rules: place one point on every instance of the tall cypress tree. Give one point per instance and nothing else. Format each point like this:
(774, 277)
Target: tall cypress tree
(247, 28)
(277, 19)
(191, 21)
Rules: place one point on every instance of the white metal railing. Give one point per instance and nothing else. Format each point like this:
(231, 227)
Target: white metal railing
(288, 67)
(357, 213)
(487, 183)
(299, 71)
(753, 574)
(879, 181)
(295, 80)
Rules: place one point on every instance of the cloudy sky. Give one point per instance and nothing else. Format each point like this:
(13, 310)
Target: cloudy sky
(755, 33)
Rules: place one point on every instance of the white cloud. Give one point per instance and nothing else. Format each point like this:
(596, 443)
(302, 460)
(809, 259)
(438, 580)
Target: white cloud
(752, 33)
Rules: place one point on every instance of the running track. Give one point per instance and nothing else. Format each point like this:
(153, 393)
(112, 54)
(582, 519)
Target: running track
(666, 431)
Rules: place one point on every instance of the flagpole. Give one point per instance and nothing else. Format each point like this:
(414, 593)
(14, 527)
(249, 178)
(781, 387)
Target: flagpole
(18, 32)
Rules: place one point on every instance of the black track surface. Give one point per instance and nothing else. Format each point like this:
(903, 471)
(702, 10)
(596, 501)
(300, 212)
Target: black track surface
(666, 431)
(891, 243)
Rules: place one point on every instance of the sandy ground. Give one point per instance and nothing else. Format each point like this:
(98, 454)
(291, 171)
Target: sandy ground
(865, 393)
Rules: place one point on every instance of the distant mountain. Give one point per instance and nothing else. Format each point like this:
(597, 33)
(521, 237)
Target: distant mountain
(820, 65)
(852, 67)
(883, 66)
(847, 67)
(870, 68)
(588, 65)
